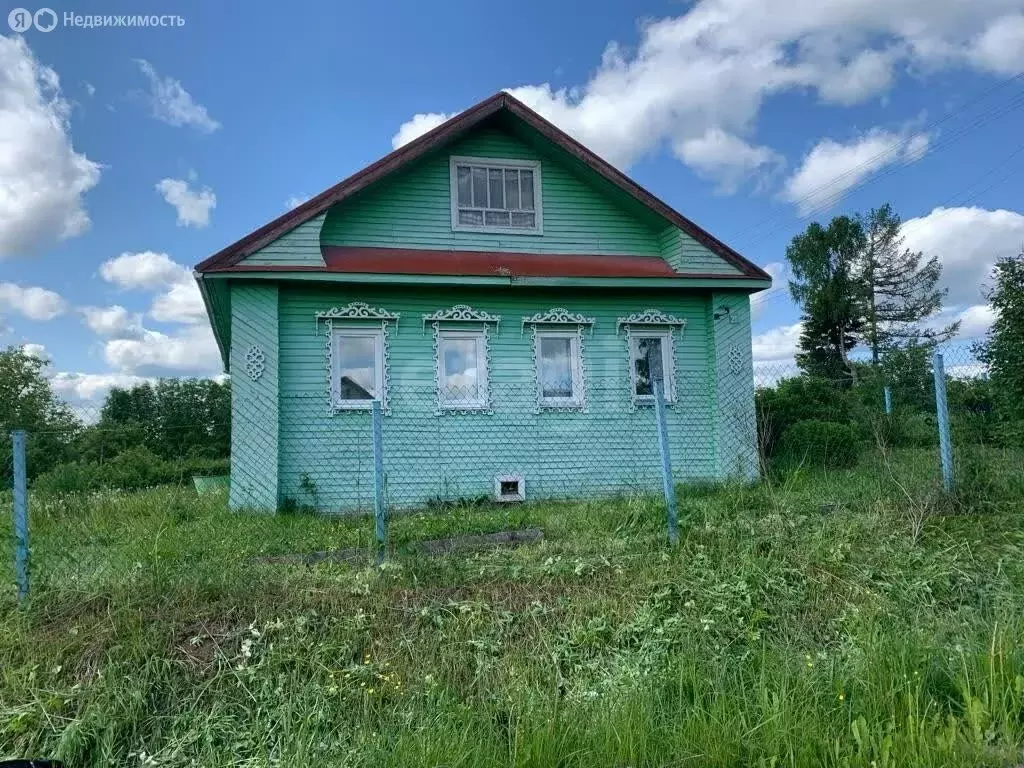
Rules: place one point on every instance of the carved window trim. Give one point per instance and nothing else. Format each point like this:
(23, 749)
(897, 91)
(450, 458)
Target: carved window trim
(356, 315)
(560, 322)
(458, 317)
(654, 323)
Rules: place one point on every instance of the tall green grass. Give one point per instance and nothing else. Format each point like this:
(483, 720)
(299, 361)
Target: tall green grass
(856, 618)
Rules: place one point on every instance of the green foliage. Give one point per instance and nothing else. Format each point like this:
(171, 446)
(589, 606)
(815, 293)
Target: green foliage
(1003, 349)
(133, 469)
(27, 402)
(798, 399)
(820, 444)
(777, 633)
(823, 261)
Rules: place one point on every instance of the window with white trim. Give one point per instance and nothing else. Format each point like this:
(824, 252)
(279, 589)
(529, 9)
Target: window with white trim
(559, 369)
(357, 366)
(462, 369)
(650, 356)
(495, 195)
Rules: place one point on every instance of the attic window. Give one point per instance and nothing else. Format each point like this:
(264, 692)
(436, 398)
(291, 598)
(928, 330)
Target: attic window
(494, 195)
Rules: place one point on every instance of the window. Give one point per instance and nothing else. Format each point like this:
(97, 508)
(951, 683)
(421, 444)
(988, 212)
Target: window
(493, 195)
(559, 369)
(650, 355)
(357, 367)
(462, 369)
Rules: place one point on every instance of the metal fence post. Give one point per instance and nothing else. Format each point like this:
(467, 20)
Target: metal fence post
(666, 462)
(20, 514)
(379, 510)
(942, 410)
(888, 401)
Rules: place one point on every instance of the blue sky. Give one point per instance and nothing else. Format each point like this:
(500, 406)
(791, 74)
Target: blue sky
(129, 154)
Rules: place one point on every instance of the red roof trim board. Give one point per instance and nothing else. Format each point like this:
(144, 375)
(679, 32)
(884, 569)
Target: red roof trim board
(444, 133)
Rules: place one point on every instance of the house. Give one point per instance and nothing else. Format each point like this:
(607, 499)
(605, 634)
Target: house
(508, 297)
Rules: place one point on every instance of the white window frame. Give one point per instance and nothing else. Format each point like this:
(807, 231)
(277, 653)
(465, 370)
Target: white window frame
(480, 403)
(355, 331)
(576, 366)
(496, 162)
(633, 336)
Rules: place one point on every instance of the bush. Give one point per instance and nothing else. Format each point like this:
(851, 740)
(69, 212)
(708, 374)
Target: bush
(905, 429)
(134, 469)
(820, 443)
(798, 399)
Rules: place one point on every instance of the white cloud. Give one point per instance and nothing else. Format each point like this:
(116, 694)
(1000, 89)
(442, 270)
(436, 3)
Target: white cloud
(295, 201)
(178, 300)
(114, 321)
(94, 387)
(779, 273)
(42, 178)
(180, 303)
(715, 64)
(725, 158)
(417, 125)
(778, 344)
(172, 104)
(830, 169)
(968, 241)
(33, 302)
(193, 351)
(975, 321)
(193, 205)
(89, 88)
(38, 351)
(145, 269)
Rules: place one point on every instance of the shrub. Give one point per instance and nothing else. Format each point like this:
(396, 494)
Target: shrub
(798, 399)
(134, 469)
(820, 443)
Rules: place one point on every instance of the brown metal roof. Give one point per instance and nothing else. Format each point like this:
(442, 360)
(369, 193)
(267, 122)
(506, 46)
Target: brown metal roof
(443, 134)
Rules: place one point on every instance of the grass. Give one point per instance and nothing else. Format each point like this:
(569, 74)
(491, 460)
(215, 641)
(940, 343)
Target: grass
(855, 618)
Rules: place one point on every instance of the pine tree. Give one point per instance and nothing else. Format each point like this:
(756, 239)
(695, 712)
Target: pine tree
(901, 286)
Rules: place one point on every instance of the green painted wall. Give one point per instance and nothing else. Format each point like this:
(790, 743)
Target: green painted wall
(300, 247)
(254, 402)
(736, 426)
(687, 255)
(611, 446)
(412, 209)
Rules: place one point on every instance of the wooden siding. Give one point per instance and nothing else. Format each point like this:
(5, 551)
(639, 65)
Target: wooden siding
(736, 427)
(685, 254)
(457, 455)
(413, 209)
(300, 247)
(254, 403)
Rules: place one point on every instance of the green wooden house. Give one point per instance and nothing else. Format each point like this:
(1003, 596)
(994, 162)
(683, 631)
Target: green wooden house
(508, 297)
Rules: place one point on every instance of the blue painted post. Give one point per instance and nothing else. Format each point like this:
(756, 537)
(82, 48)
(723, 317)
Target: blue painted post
(666, 462)
(379, 511)
(888, 401)
(20, 514)
(942, 410)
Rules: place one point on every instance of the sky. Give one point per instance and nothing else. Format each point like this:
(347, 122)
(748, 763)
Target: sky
(129, 154)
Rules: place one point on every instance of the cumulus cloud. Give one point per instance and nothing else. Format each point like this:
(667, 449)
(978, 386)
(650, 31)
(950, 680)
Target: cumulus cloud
(114, 321)
(193, 351)
(42, 178)
(295, 201)
(778, 344)
(714, 65)
(968, 241)
(417, 125)
(32, 302)
(831, 169)
(79, 387)
(38, 351)
(144, 269)
(171, 103)
(725, 158)
(193, 205)
(178, 300)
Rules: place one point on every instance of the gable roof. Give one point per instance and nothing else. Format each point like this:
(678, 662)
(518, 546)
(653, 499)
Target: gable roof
(447, 132)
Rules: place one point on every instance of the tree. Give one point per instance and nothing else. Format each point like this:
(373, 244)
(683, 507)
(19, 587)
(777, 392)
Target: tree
(900, 285)
(827, 287)
(1003, 348)
(27, 402)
